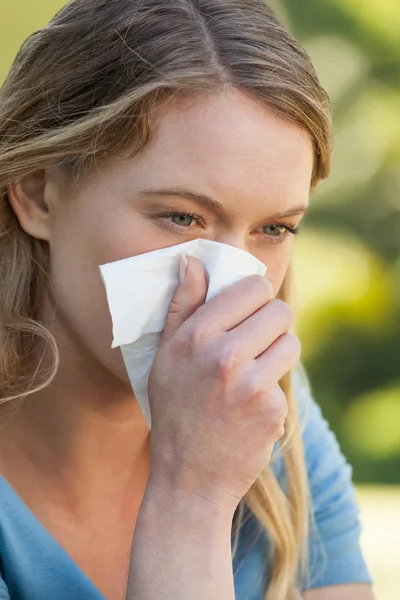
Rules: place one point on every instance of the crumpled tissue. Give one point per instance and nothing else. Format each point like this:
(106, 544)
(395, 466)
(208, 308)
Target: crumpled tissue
(140, 290)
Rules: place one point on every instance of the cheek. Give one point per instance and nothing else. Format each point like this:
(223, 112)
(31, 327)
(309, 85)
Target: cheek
(86, 235)
(83, 322)
(82, 314)
(278, 263)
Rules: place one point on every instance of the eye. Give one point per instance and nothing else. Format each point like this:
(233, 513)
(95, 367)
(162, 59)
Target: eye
(275, 230)
(182, 219)
(275, 233)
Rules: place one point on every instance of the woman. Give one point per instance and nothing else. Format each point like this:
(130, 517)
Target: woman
(126, 127)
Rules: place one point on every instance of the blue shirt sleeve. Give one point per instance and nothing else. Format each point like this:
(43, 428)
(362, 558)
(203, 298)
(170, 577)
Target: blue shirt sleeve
(334, 548)
(4, 595)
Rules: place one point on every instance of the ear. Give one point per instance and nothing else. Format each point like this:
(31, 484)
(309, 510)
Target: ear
(27, 199)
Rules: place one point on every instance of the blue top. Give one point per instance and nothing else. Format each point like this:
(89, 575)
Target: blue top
(33, 566)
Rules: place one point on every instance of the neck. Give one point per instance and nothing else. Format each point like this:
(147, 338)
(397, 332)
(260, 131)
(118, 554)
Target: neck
(85, 430)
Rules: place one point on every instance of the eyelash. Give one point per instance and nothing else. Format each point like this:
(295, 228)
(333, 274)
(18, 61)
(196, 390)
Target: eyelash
(293, 230)
(192, 215)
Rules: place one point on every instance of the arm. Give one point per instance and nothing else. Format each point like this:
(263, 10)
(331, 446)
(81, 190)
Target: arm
(181, 549)
(357, 591)
(214, 380)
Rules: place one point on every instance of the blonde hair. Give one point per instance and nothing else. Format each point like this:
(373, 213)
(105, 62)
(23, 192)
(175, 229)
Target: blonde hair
(83, 89)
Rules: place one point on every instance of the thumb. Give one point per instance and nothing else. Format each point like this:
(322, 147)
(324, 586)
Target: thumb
(189, 296)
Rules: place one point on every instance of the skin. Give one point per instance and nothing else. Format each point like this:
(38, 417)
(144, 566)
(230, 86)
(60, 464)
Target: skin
(79, 452)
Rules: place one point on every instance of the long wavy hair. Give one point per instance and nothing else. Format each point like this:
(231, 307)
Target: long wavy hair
(83, 89)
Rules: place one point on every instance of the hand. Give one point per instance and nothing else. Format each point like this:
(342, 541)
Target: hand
(217, 408)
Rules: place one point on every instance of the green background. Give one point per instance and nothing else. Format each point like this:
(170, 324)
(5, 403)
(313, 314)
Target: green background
(347, 259)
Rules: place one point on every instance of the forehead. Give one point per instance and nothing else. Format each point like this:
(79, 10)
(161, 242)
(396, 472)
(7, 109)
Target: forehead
(227, 146)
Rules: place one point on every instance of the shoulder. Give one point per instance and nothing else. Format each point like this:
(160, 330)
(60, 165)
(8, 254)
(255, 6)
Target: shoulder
(318, 439)
(334, 547)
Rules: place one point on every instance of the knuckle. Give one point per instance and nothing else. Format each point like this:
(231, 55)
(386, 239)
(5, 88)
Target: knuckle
(261, 286)
(188, 341)
(198, 334)
(282, 312)
(175, 308)
(255, 387)
(277, 409)
(280, 433)
(227, 360)
(270, 405)
(294, 346)
(278, 403)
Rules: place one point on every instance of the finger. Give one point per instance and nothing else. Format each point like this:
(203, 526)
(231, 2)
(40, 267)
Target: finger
(190, 294)
(233, 305)
(276, 414)
(257, 333)
(276, 361)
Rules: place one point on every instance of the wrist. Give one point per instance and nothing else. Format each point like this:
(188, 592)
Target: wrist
(184, 540)
(185, 505)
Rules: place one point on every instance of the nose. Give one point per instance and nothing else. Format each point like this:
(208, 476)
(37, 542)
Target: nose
(231, 238)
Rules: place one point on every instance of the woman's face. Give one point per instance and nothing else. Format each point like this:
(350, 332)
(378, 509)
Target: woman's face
(222, 168)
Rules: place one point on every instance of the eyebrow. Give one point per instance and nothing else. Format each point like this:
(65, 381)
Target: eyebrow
(211, 204)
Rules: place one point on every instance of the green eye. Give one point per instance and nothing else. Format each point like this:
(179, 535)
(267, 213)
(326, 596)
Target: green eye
(274, 230)
(183, 220)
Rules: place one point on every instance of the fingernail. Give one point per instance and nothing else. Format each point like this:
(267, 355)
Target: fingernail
(183, 268)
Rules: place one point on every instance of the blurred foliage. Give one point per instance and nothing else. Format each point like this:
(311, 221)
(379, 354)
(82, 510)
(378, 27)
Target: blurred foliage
(348, 259)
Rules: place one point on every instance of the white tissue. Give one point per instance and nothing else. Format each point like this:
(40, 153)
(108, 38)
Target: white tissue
(139, 293)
